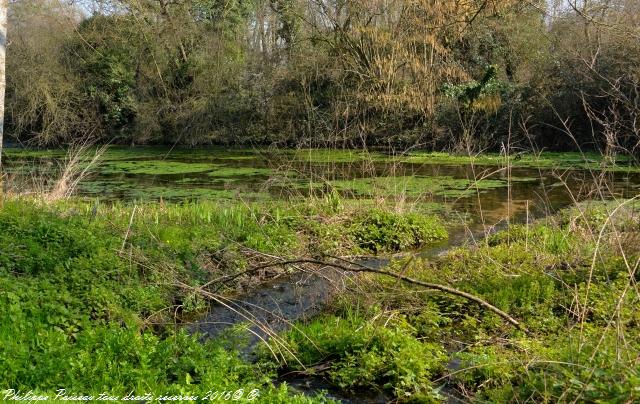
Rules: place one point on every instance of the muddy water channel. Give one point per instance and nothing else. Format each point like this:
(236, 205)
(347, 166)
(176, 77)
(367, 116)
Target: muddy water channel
(473, 198)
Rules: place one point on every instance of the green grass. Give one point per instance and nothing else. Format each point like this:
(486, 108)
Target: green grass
(537, 274)
(84, 309)
(74, 310)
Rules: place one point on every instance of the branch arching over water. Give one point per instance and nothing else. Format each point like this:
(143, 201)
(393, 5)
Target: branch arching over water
(361, 268)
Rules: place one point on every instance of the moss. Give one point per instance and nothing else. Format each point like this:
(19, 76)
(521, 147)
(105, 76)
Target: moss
(332, 155)
(243, 172)
(416, 187)
(179, 194)
(544, 160)
(154, 167)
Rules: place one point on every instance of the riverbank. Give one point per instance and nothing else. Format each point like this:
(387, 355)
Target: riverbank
(569, 279)
(97, 296)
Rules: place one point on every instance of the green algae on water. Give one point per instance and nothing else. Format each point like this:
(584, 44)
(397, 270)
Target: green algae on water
(241, 171)
(416, 187)
(155, 167)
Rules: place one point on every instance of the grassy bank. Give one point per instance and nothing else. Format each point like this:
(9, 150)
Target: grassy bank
(570, 279)
(94, 295)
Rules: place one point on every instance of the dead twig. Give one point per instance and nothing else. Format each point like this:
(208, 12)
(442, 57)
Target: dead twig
(126, 235)
(355, 267)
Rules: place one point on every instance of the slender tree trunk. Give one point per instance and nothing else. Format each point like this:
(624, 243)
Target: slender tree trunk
(3, 49)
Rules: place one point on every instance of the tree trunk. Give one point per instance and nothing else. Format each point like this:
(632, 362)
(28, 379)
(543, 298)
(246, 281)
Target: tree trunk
(3, 49)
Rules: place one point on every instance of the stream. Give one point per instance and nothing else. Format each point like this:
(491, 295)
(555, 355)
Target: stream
(275, 305)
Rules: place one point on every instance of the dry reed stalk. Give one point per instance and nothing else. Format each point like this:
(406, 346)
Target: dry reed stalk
(73, 171)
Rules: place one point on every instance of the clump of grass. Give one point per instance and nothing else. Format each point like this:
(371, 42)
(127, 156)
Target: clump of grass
(382, 352)
(54, 180)
(76, 167)
(378, 230)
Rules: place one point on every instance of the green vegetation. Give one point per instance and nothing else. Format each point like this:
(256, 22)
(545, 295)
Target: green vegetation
(243, 172)
(87, 287)
(79, 314)
(147, 173)
(580, 312)
(381, 131)
(416, 187)
(92, 290)
(214, 174)
(183, 190)
(544, 160)
(488, 77)
(154, 167)
(379, 230)
(366, 353)
(334, 155)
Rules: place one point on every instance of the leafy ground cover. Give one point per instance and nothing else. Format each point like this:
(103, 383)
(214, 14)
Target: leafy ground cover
(570, 279)
(91, 292)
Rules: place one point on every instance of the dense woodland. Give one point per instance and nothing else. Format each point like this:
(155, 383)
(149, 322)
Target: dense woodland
(456, 75)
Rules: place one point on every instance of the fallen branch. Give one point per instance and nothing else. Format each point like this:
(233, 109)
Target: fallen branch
(362, 268)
